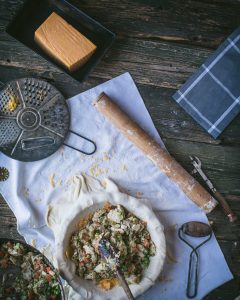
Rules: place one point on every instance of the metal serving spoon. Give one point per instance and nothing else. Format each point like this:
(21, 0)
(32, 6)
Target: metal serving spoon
(107, 252)
(194, 229)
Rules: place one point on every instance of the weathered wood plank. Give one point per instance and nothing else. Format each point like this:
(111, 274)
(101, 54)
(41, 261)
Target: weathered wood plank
(231, 251)
(222, 229)
(221, 163)
(228, 291)
(152, 63)
(170, 66)
(68, 86)
(196, 22)
(169, 118)
(219, 222)
(189, 22)
(173, 122)
(161, 64)
(8, 227)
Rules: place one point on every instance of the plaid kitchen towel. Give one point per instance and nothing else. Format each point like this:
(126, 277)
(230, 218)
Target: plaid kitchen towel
(212, 95)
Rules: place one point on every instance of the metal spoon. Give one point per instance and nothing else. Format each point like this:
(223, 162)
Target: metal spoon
(194, 229)
(107, 252)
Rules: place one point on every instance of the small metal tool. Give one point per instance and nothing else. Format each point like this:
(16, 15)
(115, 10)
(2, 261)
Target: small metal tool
(4, 174)
(200, 230)
(226, 208)
(107, 252)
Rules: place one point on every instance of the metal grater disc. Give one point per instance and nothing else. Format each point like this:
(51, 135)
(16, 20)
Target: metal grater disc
(34, 119)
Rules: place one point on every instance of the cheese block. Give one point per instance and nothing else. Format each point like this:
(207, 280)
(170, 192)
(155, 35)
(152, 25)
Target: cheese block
(63, 42)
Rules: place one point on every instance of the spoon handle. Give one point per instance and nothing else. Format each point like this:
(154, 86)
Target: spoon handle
(124, 284)
(192, 285)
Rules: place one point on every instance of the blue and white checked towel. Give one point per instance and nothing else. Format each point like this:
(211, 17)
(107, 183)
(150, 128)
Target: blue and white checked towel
(212, 95)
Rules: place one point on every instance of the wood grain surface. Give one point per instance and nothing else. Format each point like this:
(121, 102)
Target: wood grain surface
(161, 43)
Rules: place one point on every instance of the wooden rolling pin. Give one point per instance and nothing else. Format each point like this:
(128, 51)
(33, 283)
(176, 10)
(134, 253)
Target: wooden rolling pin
(160, 157)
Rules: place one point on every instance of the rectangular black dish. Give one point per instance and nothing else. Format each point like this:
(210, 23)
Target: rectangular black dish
(34, 12)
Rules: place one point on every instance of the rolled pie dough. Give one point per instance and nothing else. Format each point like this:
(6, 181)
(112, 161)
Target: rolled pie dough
(86, 196)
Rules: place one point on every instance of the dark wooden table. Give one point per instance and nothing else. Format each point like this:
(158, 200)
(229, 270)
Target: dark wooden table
(161, 43)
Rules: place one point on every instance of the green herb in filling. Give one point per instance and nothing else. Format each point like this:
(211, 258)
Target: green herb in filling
(36, 281)
(127, 234)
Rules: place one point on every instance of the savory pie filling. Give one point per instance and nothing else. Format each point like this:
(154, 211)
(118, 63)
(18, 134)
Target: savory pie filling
(127, 234)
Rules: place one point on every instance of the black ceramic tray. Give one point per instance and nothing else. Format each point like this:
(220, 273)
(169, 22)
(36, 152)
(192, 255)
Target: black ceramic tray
(34, 12)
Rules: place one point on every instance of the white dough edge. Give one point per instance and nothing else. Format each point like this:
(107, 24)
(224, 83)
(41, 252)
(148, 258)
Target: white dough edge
(89, 203)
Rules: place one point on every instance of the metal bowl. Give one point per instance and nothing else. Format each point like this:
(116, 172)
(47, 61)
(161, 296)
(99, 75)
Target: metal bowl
(46, 261)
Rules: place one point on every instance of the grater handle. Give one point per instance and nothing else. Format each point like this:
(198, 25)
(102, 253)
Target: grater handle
(35, 143)
(84, 138)
(192, 285)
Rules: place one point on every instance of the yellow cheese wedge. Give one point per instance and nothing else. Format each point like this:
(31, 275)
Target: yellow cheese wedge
(63, 42)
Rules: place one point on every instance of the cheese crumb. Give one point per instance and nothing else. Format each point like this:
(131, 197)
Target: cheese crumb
(12, 104)
(106, 156)
(52, 180)
(33, 242)
(104, 184)
(25, 191)
(96, 171)
(124, 168)
(139, 194)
